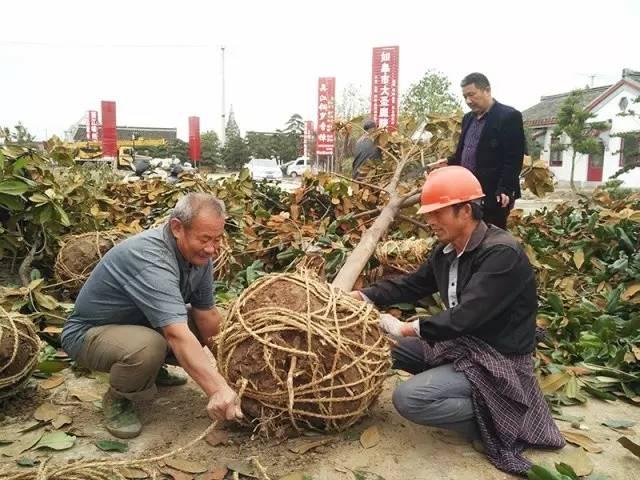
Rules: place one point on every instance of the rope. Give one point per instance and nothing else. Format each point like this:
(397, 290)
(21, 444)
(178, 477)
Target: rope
(403, 255)
(17, 334)
(319, 365)
(104, 469)
(101, 243)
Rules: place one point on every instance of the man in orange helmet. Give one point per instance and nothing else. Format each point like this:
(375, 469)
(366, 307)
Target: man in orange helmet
(472, 364)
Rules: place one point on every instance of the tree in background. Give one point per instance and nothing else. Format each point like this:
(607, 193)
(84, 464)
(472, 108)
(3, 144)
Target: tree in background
(19, 136)
(573, 125)
(178, 147)
(630, 148)
(235, 152)
(533, 146)
(352, 103)
(295, 125)
(431, 94)
(210, 149)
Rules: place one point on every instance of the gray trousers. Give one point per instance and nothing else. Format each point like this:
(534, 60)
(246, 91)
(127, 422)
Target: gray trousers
(437, 397)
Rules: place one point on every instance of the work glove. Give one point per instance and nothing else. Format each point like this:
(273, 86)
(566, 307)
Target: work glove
(390, 324)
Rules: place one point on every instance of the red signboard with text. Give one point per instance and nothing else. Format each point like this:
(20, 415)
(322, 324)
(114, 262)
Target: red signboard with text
(194, 139)
(92, 125)
(384, 86)
(109, 134)
(326, 114)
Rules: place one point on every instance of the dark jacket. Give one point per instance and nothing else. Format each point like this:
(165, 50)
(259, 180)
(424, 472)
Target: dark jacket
(365, 150)
(500, 151)
(496, 291)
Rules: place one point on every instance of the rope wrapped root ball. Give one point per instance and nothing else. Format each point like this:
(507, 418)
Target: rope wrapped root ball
(79, 254)
(19, 347)
(396, 257)
(312, 357)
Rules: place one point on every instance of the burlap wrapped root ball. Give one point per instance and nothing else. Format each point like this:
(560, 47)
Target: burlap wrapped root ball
(311, 356)
(79, 254)
(19, 347)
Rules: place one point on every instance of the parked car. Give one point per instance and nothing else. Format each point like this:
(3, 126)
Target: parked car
(261, 168)
(285, 166)
(298, 167)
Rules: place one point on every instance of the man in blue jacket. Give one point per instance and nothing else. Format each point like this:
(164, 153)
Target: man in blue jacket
(492, 146)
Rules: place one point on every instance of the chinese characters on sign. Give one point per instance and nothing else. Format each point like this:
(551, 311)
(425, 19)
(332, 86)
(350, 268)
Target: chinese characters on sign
(92, 125)
(384, 86)
(326, 115)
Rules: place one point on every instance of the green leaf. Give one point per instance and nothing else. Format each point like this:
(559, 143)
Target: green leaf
(567, 470)
(11, 202)
(619, 423)
(13, 187)
(52, 366)
(26, 462)
(56, 441)
(556, 303)
(112, 446)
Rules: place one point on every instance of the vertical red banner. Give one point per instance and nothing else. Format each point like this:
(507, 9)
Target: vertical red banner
(92, 125)
(109, 134)
(308, 137)
(384, 86)
(326, 115)
(194, 140)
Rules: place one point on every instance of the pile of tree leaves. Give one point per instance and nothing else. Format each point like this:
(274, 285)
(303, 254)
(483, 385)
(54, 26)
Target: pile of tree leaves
(586, 255)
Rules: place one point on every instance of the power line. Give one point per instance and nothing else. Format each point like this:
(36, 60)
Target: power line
(10, 43)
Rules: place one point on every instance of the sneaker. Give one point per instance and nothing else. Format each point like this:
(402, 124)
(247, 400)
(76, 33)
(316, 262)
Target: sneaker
(167, 379)
(121, 419)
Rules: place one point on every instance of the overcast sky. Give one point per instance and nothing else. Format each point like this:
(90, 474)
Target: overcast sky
(160, 60)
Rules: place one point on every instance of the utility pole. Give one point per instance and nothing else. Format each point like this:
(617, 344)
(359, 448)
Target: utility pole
(223, 126)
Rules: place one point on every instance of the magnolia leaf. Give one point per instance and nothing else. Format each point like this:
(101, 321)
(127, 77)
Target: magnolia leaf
(112, 446)
(27, 462)
(216, 437)
(555, 381)
(186, 465)
(13, 187)
(243, 468)
(46, 412)
(22, 443)
(581, 440)
(629, 445)
(52, 366)
(370, 437)
(619, 423)
(60, 421)
(134, 473)
(577, 460)
(56, 441)
(45, 301)
(630, 292)
(578, 258)
(302, 447)
(52, 382)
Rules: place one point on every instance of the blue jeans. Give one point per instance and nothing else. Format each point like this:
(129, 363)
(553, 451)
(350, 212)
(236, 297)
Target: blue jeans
(436, 397)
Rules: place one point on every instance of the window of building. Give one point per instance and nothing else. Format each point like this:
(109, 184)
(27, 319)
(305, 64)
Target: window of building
(555, 154)
(630, 150)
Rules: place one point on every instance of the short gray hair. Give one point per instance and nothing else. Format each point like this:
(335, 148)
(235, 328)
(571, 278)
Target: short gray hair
(478, 79)
(189, 206)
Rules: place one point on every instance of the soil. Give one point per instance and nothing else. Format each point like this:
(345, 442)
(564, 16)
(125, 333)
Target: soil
(405, 450)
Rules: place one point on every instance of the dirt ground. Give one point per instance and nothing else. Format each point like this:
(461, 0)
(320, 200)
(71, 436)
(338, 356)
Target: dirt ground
(405, 451)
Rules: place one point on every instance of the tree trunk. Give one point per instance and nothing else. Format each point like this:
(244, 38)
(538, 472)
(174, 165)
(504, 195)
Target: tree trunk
(357, 260)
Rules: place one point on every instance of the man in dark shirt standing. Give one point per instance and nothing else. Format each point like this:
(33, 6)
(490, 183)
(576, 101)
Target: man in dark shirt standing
(472, 363)
(492, 146)
(365, 149)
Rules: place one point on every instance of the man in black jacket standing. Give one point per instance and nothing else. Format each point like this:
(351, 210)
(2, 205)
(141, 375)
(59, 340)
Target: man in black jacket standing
(365, 149)
(472, 363)
(492, 146)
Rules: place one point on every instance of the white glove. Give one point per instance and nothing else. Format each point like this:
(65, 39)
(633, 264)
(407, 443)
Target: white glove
(390, 324)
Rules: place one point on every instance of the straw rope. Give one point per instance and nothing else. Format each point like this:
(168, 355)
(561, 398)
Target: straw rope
(326, 377)
(18, 333)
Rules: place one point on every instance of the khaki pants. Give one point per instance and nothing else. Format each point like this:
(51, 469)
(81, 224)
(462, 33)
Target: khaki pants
(131, 354)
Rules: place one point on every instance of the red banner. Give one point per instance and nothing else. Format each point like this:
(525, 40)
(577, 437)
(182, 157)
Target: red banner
(92, 125)
(384, 86)
(109, 134)
(326, 115)
(308, 137)
(194, 139)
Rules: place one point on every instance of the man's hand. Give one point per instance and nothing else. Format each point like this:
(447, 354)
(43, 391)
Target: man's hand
(391, 324)
(503, 200)
(357, 295)
(224, 405)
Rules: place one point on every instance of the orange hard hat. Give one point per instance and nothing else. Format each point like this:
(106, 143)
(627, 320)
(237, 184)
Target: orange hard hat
(447, 186)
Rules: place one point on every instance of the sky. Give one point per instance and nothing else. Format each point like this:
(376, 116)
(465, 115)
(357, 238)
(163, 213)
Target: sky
(160, 60)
